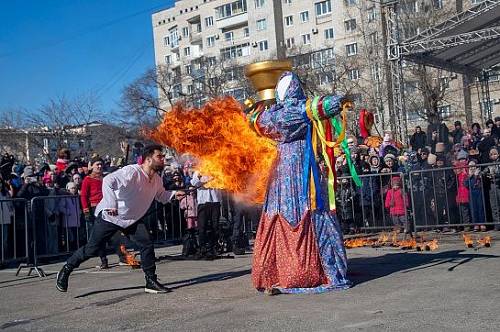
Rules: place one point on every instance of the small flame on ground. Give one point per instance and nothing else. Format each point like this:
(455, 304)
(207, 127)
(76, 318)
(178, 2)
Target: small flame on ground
(485, 241)
(129, 258)
(469, 242)
(228, 150)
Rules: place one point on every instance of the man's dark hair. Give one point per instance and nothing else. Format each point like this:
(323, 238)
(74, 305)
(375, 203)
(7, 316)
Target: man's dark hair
(418, 127)
(149, 150)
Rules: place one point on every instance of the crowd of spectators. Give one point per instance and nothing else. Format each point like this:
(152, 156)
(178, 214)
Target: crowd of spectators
(456, 180)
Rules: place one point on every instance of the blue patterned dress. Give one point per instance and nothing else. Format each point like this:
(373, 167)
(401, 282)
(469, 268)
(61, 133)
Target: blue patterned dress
(296, 250)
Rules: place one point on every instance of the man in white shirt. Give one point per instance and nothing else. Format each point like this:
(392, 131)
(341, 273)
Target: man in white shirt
(127, 195)
(208, 215)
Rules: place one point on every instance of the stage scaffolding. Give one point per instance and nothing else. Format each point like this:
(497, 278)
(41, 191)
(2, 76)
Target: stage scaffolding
(468, 44)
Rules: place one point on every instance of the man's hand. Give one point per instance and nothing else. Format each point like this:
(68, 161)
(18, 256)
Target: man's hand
(112, 212)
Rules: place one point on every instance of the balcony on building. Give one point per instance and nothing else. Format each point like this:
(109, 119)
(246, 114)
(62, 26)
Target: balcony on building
(231, 14)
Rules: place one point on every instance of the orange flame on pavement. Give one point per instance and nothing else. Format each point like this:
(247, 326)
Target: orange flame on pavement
(485, 241)
(358, 242)
(129, 258)
(229, 151)
(469, 242)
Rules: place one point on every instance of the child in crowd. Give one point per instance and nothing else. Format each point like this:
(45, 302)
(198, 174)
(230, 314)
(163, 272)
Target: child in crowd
(462, 197)
(345, 202)
(396, 203)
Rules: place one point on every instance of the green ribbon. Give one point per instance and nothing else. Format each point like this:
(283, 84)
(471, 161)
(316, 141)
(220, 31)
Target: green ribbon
(345, 148)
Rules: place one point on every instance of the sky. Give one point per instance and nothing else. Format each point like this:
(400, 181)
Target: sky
(67, 48)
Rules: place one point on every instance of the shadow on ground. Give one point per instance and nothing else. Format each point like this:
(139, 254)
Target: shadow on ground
(365, 269)
(179, 284)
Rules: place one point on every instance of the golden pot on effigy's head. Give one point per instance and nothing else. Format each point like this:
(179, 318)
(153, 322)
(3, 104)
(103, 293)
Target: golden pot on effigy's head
(264, 76)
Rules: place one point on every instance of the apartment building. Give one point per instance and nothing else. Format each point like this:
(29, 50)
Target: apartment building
(204, 44)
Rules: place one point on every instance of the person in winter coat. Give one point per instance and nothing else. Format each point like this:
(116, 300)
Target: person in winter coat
(475, 185)
(397, 202)
(443, 203)
(492, 174)
(457, 133)
(370, 197)
(418, 139)
(345, 203)
(6, 217)
(72, 214)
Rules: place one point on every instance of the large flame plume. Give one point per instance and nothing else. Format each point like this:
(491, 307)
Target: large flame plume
(228, 150)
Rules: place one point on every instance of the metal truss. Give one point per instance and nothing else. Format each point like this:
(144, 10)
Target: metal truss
(460, 18)
(429, 45)
(397, 110)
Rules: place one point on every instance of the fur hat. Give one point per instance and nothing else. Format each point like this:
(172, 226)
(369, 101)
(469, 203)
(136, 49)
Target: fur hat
(389, 156)
(27, 172)
(440, 147)
(431, 159)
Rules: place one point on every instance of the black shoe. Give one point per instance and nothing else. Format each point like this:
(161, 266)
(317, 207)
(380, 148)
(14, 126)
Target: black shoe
(62, 278)
(154, 287)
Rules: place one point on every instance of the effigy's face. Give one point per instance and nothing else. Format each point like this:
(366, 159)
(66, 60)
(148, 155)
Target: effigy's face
(289, 88)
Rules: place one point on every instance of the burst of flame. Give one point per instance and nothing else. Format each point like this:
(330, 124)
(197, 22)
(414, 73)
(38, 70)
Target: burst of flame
(485, 241)
(129, 258)
(358, 242)
(228, 150)
(383, 238)
(469, 242)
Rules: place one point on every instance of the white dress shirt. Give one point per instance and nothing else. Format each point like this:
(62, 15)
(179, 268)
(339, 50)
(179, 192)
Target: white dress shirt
(205, 195)
(131, 192)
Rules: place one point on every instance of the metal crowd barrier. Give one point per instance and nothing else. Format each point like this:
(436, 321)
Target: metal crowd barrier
(451, 198)
(55, 229)
(363, 208)
(14, 230)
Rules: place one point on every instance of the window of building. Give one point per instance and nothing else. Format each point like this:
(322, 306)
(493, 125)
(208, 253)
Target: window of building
(375, 71)
(304, 16)
(323, 7)
(325, 78)
(188, 69)
(372, 14)
(445, 111)
(229, 36)
(353, 74)
(259, 3)
(438, 4)
(306, 39)
(210, 41)
(187, 51)
(174, 37)
(350, 25)
(350, 2)
(289, 20)
(185, 32)
(329, 33)
(190, 89)
(351, 49)
(246, 32)
(290, 42)
(261, 24)
(209, 21)
(373, 38)
(263, 45)
(167, 41)
(322, 58)
(231, 9)
(212, 61)
(168, 59)
(235, 51)
(288, 2)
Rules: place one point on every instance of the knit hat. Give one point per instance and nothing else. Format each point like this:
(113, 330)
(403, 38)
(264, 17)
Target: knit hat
(431, 159)
(70, 185)
(497, 118)
(28, 172)
(389, 156)
(462, 155)
(458, 123)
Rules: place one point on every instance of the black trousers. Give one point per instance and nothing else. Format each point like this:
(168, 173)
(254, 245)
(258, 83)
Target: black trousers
(103, 231)
(208, 224)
